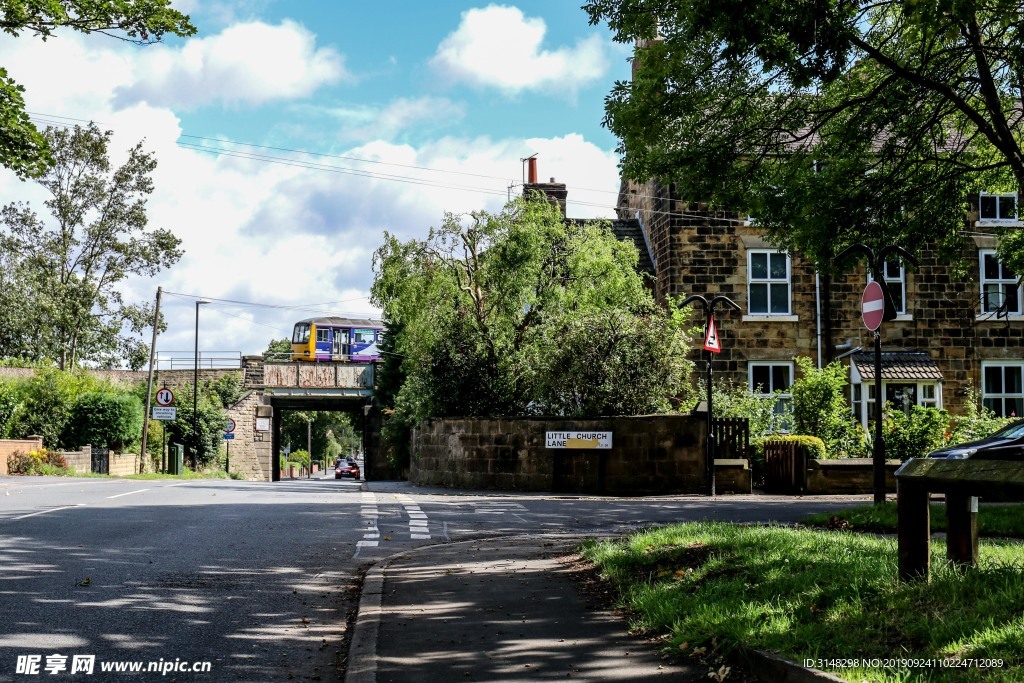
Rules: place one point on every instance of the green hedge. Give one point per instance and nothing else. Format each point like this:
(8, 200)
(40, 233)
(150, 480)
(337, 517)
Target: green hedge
(814, 446)
(103, 419)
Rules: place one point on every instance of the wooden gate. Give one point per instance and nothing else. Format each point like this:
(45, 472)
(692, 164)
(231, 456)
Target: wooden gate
(785, 467)
(730, 437)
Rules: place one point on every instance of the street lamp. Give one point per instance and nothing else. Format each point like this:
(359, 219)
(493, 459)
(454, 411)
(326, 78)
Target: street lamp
(195, 393)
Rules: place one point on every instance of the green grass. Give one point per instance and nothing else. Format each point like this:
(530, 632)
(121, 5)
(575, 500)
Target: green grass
(1003, 520)
(807, 593)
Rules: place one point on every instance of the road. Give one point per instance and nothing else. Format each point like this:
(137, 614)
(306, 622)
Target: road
(254, 581)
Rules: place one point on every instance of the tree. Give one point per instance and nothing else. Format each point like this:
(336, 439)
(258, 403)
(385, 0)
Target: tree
(832, 122)
(480, 313)
(68, 303)
(22, 148)
(278, 350)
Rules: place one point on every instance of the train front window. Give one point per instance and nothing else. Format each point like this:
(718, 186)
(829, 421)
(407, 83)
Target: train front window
(301, 334)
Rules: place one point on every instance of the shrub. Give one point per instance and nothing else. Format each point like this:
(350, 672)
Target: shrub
(299, 457)
(820, 408)
(102, 419)
(914, 435)
(38, 462)
(46, 402)
(814, 446)
(977, 422)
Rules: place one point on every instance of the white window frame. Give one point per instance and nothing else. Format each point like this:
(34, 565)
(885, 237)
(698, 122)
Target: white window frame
(864, 406)
(784, 396)
(998, 218)
(986, 306)
(769, 281)
(1003, 395)
(901, 280)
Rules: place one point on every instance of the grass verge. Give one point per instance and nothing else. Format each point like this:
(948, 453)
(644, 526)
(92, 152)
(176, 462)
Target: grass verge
(810, 594)
(1001, 520)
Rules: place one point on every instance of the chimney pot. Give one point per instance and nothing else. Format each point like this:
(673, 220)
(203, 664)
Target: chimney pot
(532, 170)
(552, 180)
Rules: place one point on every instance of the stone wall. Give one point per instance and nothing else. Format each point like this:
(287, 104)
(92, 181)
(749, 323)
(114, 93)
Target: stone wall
(9, 447)
(80, 461)
(250, 449)
(849, 476)
(649, 455)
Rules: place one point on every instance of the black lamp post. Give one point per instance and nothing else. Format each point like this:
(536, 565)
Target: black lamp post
(876, 262)
(195, 393)
(709, 314)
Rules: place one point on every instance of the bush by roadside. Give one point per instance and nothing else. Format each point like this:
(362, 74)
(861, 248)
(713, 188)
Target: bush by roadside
(38, 462)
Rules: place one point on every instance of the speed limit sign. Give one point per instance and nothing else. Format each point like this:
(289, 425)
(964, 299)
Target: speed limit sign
(164, 397)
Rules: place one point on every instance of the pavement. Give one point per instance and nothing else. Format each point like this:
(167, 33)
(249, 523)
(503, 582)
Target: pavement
(496, 609)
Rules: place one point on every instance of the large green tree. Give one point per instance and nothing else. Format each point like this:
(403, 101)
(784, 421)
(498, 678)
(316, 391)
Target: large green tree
(482, 310)
(832, 121)
(64, 271)
(23, 149)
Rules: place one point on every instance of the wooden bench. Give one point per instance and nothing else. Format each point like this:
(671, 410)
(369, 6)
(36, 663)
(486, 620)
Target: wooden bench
(962, 481)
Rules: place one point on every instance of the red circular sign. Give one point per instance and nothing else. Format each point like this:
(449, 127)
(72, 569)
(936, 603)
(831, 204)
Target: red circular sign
(872, 305)
(164, 397)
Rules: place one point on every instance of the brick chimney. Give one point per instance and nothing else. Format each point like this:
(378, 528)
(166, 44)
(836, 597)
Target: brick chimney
(555, 192)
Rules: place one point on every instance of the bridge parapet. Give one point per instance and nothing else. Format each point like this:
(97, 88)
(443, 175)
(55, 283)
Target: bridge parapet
(318, 376)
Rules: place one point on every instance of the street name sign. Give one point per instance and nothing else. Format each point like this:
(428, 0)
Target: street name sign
(581, 440)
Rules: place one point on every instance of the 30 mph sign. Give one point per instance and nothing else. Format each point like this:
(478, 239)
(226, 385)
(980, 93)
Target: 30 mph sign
(872, 305)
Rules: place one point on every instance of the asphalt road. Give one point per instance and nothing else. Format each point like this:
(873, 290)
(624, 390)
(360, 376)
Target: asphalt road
(255, 579)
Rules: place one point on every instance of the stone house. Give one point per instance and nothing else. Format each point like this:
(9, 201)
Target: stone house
(951, 333)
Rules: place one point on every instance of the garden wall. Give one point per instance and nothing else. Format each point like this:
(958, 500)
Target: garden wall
(650, 454)
(10, 446)
(847, 476)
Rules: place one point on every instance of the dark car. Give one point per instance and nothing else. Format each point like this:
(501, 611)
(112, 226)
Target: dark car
(346, 468)
(1006, 444)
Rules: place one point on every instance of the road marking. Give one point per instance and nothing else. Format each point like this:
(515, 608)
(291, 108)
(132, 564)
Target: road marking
(369, 512)
(43, 512)
(126, 494)
(418, 524)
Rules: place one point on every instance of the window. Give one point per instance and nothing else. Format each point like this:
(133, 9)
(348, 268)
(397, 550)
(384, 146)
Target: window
(1000, 290)
(896, 282)
(1001, 389)
(766, 379)
(301, 334)
(768, 282)
(898, 395)
(323, 334)
(362, 336)
(997, 207)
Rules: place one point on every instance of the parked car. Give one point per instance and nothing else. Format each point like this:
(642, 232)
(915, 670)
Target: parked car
(1005, 444)
(346, 468)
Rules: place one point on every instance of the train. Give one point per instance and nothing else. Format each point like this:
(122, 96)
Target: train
(337, 339)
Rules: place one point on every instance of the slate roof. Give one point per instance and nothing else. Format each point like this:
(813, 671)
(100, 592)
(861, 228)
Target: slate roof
(896, 365)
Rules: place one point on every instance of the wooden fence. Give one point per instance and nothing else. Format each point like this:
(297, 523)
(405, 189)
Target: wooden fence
(730, 437)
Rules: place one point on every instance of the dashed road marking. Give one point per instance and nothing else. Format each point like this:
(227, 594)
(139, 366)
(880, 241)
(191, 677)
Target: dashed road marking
(369, 512)
(419, 527)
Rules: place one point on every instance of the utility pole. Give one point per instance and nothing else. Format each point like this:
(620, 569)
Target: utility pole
(149, 385)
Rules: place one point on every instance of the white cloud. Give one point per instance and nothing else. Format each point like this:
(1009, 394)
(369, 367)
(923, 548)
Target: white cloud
(362, 123)
(499, 47)
(234, 67)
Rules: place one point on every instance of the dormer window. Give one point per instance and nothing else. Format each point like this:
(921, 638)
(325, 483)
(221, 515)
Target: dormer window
(997, 207)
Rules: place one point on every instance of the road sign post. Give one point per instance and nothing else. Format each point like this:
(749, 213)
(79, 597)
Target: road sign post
(713, 345)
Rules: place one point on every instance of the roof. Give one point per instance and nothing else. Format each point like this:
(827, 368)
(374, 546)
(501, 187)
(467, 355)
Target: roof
(344, 322)
(911, 365)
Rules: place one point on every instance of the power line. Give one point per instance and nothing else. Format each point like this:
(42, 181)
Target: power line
(303, 307)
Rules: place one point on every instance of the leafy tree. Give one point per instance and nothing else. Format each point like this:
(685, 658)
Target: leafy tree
(8, 404)
(482, 302)
(278, 350)
(103, 419)
(68, 303)
(45, 403)
(332, 432)
(22, 148)
(202, 440)
(875, 116)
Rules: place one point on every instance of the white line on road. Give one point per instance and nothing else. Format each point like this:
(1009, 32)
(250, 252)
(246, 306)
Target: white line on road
(43, 512)
(126, 494)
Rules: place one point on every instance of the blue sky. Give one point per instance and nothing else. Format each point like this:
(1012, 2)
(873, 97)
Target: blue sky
(407, 110)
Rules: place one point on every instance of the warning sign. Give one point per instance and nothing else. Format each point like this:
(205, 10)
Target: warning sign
(711, 341)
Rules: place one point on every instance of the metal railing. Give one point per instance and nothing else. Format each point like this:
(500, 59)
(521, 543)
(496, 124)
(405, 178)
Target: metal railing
(206, 360)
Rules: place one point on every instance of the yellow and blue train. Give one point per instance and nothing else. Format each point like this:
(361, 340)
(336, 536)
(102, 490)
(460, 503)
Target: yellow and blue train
(337, 339)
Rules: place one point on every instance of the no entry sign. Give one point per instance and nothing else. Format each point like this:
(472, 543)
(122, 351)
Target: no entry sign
(872, 305)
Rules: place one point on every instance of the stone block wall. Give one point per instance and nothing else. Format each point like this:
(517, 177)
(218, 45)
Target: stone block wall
(649, 455)
(9, 447)
(80, 461)
(849, 476)
(250, 450)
